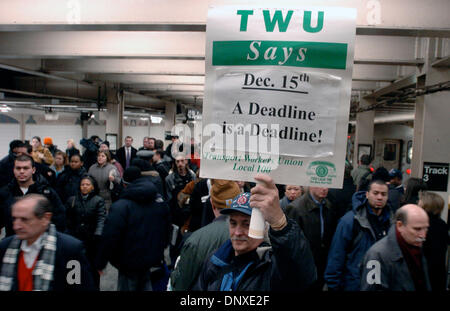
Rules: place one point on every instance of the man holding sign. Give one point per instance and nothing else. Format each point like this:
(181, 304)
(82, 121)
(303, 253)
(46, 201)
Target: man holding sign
(243, 263)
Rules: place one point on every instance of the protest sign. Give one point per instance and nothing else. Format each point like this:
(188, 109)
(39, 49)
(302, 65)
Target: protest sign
(277, 92)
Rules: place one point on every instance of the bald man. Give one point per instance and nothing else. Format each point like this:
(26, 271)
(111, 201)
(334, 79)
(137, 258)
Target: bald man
(396, 262)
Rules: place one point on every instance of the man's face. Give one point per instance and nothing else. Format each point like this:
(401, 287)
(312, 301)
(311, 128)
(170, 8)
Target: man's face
(23, 171)
(239, 225)
(103, 147)
(151, 144)
(181, 164)
(415, 230)
(293, 192)
(25, 223)
(377, 196)
(145, 143)
(75, 163)
(319, 193)
(128, 142)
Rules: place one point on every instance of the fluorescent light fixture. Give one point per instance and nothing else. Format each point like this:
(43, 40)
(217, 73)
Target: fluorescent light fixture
(16, 102)
(4, 108)
(155, 119)
(60, 106)
(52, 116)
(89, 109)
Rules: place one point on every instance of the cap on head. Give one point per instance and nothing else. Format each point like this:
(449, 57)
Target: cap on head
(48, 141)
(223, 192)
(240, 204)
(395, 173)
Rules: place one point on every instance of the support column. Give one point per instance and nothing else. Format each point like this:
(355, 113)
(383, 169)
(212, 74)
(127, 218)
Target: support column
(431, 126)
(114, 114)
(84, 128)
(364, 129)
(22, 127)
(169, 118)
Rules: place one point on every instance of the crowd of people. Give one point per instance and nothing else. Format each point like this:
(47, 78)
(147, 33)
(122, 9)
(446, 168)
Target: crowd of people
(147, 212)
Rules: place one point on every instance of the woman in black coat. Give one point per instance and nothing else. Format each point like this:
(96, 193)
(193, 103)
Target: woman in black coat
(435, 247)
(68, 182)
(85, 216)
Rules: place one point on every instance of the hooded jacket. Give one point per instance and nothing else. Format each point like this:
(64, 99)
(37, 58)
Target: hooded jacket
(349, 245)
(286, 265)
(136, 230)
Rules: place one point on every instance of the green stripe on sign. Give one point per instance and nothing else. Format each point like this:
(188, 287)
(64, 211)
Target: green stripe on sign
(273, 53)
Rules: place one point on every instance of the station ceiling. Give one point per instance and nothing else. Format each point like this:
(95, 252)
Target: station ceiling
(77, 51)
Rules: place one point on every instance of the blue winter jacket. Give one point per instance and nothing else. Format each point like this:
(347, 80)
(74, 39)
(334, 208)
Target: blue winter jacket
(345, 256)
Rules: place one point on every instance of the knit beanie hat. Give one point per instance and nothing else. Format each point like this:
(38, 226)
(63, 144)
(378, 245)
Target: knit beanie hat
(48, 141)
(223, 192)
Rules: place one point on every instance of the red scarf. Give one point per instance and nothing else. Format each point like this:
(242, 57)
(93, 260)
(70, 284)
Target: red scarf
(413, 258)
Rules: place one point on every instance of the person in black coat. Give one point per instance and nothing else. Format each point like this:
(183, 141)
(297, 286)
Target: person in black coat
(135, 234)
(92, 146)
(67, 257)
(85, 214)
(16, 147)
(316, 217)
(200, 205)
(122, 153)
(68, 182)
(436, 244)
(26, 182)
(341, 199)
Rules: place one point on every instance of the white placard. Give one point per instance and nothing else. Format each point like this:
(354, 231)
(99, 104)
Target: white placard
(277, 92)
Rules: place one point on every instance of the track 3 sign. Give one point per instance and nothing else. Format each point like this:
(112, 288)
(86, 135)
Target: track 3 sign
(277, 92)
(436, 176)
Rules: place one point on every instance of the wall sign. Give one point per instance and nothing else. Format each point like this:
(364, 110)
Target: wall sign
(436, 176)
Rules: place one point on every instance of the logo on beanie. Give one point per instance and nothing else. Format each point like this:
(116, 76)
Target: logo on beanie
(228, 202)
(242, 200)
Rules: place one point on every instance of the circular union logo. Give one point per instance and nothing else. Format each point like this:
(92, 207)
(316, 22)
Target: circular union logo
(321, 171)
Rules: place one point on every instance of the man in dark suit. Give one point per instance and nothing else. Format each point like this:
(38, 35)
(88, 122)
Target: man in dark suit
(38, 257)
(127, 153)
